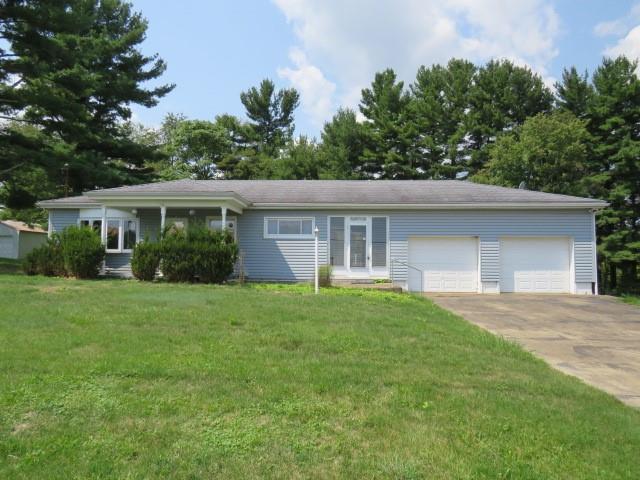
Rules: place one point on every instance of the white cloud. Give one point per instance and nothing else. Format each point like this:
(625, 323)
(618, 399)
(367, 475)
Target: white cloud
(628, 45)
(618, 26)
(352, 39)
(316, 92)
(628, 31)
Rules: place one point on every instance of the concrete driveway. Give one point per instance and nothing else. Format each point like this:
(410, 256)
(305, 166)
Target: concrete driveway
(596, 339)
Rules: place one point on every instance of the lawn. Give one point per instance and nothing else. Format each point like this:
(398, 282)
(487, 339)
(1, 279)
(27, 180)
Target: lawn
(118, 379)
(8, 265)
(632, 299)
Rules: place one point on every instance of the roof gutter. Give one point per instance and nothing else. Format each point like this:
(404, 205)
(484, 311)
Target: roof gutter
(434, 206)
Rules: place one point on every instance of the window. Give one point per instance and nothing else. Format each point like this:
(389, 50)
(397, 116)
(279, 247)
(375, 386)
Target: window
(215, 223)
(130, 234)
(288, 227)
(94, 223)
(176, 223)
(113, 234)
(122, 233)
(379, 242)
(336, 241)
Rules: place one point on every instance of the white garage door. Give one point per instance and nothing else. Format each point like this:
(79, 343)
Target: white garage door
(535, 265)
(450, 264)
(6, 247)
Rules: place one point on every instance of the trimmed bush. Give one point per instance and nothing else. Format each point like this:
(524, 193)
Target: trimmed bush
(216, 254)
(178, 260)
(82, 251)
(46, 259)
(145, 260)
(324, 275)
(197, 254)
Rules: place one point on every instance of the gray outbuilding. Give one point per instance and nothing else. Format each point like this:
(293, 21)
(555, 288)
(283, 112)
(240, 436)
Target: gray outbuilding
(17, 239)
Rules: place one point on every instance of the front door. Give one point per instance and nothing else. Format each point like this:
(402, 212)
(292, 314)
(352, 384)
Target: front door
(358, 251)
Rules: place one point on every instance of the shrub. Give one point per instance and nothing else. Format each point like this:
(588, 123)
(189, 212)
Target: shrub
(145, 260)
(324, 275)
(198, 253)
(82, 251)
(178, 260)
(216, 254)
(46, 259)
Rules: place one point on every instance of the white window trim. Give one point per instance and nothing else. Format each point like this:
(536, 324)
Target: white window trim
(121, 222)
(289, 236)
(230, 219)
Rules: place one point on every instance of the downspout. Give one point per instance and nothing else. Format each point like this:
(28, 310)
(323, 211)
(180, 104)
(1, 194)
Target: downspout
(595, 253)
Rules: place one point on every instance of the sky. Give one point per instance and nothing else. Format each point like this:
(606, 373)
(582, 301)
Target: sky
(330, 49)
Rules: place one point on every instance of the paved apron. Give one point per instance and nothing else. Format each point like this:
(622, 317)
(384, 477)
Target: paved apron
(595, 338)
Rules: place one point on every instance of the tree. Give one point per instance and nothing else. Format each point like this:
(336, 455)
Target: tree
(548, 153)
(439, 109)
(71, 69)
(343, 143)
(614, 121)
(197, 147)
(574, 92)
(389, 135)
(271, 115)
(503, 96)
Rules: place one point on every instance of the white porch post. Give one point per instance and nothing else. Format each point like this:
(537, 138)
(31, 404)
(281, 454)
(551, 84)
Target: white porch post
(315, 265)
(224, 218)
(103, 236)
(49, 226)
(163, 218)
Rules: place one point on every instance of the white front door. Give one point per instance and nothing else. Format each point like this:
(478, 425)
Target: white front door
(359, 246)
(535, 265)
(443, 264)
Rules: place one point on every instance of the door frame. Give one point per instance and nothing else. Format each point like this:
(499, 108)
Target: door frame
(369, 271)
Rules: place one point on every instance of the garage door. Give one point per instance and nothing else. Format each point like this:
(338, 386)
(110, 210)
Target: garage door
(449, 264)
(535, 265)
(6, 247)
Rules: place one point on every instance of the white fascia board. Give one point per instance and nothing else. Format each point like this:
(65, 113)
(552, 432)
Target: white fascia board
(443, 206)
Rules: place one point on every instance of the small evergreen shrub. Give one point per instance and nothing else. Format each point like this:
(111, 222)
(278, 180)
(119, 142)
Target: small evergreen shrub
(82, 251)
(324, 275)
(46, 259)
(145, 260)
(177, 262)
(216, 254)
(197, 254)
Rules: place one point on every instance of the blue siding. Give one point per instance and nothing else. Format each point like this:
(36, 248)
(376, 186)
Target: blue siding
(292, 260)
(62, 218)
(279, 259)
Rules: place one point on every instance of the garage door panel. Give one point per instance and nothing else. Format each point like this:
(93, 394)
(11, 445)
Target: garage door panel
(449, 264)
(535, 265)
(6, 247)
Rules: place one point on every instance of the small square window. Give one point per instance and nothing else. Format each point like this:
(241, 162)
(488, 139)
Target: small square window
(272, 227)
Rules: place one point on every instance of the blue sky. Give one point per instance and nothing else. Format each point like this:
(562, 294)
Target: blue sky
(330, 49)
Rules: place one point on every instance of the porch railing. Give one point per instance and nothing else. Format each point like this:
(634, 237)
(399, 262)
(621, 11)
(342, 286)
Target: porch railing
(395, 261)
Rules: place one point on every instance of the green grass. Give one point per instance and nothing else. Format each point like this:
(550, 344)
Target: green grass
(118, 379)
(8, 265)
(632, 299)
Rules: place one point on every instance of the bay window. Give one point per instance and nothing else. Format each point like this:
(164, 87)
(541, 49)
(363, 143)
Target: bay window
(122, 233)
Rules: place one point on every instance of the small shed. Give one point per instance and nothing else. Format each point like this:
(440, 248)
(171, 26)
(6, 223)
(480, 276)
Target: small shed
(17, 239)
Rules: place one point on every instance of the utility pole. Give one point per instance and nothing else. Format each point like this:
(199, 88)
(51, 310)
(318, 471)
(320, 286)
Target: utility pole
(65, 169)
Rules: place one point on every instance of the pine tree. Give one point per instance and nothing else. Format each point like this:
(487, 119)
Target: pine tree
(389, 133)
(574, 92)
(614, 121)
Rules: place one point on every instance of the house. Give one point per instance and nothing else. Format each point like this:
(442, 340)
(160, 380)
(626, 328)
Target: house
(17, 238)
(431, 235)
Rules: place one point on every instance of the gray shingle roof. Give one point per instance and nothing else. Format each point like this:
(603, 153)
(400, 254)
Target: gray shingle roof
(354, 192)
